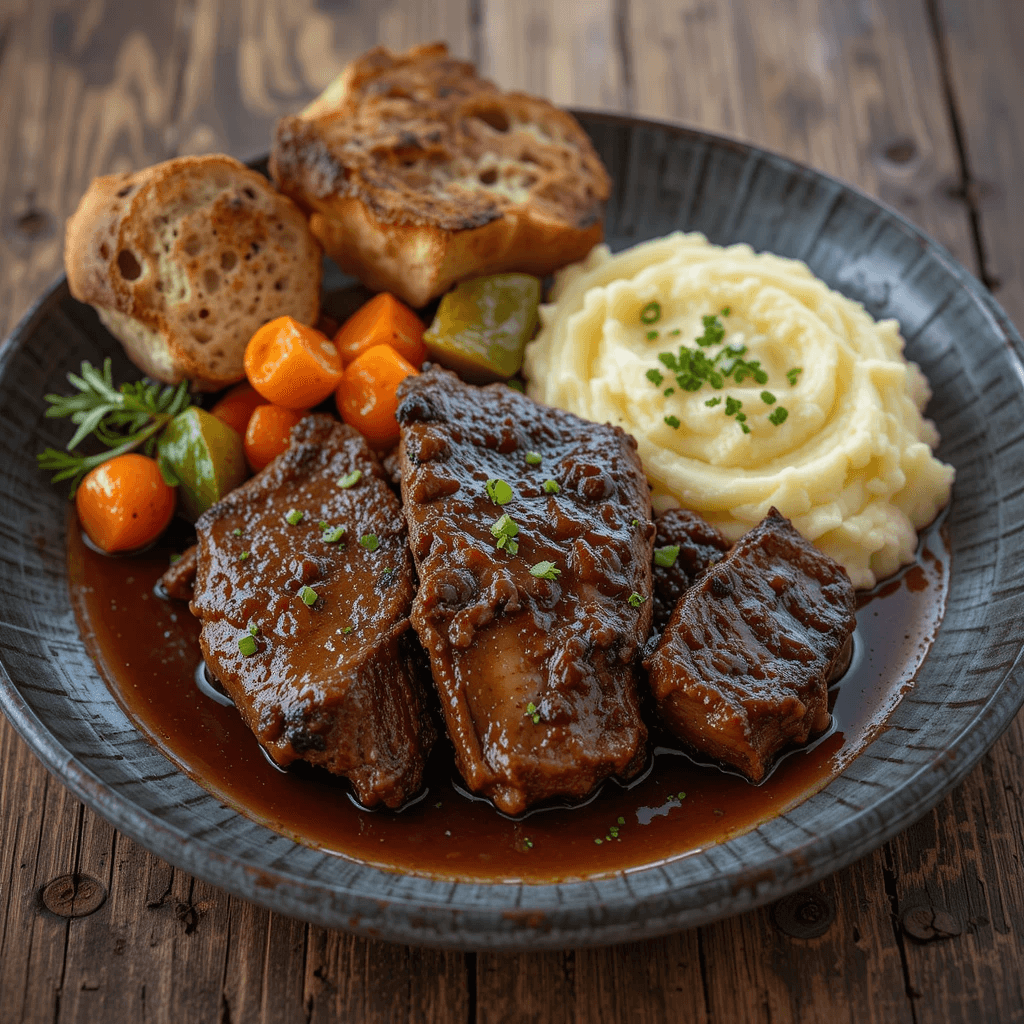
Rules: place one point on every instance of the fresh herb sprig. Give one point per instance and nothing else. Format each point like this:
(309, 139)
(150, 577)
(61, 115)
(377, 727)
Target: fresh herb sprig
(123, 419)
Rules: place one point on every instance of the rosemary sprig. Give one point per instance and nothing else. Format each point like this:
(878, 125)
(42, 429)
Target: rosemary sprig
(122, 419)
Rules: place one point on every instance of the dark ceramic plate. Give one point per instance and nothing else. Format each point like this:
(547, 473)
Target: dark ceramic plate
(665, 177)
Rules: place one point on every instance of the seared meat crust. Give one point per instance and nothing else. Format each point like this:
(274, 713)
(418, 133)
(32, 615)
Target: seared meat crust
(332, 682)
(700, 545)
(743, 666)
(500, 639)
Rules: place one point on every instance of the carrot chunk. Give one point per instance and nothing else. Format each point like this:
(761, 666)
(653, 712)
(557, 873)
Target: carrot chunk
(292, 365)
(124, 504)
(382, 321)
(366, 395)
(269, 433)
(237, 406)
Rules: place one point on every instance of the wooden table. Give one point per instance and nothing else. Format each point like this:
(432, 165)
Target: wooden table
(920, 102)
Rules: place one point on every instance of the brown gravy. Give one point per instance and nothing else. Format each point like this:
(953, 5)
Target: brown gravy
(147, 650)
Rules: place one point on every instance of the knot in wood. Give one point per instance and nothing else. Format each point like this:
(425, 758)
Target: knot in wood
(74, 895)
(902, 151)
(803, 915)
(927, 923)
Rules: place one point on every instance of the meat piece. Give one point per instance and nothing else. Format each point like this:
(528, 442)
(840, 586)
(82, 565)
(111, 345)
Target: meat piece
(537, 676)
(743, 666)
(331, 679)
(179, 580)
(700, 545)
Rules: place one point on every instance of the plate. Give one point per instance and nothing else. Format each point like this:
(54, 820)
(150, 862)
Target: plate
(968, 690)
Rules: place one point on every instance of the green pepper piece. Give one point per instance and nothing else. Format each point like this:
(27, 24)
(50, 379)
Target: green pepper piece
(483, 325)
(205, 456)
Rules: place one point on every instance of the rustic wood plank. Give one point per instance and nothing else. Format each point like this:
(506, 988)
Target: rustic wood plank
(983, 42)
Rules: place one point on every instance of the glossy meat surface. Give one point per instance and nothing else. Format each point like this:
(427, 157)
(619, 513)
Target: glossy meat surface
(331, 680)
(700, 545)
(501, 640)
(743, 666)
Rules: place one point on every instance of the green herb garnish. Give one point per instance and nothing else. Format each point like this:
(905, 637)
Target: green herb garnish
(505, 530)
(791, 375)
(293, 517)
(243, 556)
(673, 422)
(651, 313)
(122, 419)
(767, 397)
(247, 646)
(333, 534)
(532, 459)
(236, 532)
(369, 541)
(655, 376)
(498, 491)
(778, 415)
(712, 402)
(350, 479)
(545, 571)
(551, 487)
(666, 556)
(309, 596)
(532, 711)
(635, 600)
(651, 335)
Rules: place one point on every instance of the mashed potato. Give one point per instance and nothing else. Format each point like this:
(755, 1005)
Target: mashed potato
(829, 429)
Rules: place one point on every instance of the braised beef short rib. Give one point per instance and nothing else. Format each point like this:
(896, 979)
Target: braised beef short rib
(536, 671)
(743, 666)
(307, 628)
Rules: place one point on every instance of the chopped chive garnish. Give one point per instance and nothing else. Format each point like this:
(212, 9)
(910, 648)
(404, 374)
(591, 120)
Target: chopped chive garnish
(791, 375)
(236, 532)
(635, 600)
(369, 541)
(732, 406)
(254, 630)
(651, 313)
(767, 397)
(673, 422)
(505, 530)
(745, 428)
(498, 491)
(712, 402)
(726, 310)
(349, 479)
(655, 376)
(532, 711)
(620, 821)
(714, 332)
(675, 333)
(778, 415)
(346, 629)
(634, 522)
(293, 517)
(247, 646)
(534, 458)
(545, 571)
(666, 556)
(651, 335)
(333, 534)
(309, 596)
(668, 392)
(551, 487)
(598, 842)
(243, 556)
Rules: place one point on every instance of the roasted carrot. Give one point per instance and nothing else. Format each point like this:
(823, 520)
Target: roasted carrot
(237, 406)
(382, 321)
(292, 365)
(268, 433)
(366, 395)
(124, 504)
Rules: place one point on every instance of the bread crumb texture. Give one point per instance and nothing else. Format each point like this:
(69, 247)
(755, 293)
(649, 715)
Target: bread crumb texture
(416, 173)
(186, 259)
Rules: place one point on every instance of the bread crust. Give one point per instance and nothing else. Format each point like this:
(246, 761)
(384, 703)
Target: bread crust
(186, 259)
(416, 173)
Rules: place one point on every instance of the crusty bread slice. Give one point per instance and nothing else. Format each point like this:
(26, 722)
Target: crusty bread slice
(186, 259)
(417, 173)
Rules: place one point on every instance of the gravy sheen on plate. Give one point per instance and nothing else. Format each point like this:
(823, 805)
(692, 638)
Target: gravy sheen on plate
(849, 461)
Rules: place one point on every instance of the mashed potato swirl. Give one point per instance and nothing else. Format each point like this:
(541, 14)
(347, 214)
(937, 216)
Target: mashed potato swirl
(851, 464)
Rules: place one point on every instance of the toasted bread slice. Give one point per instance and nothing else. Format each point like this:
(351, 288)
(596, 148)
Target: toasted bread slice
(186, 259)
(417, 173)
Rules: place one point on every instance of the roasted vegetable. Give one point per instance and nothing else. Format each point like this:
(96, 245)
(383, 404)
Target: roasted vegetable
(204, 457)
(483, 325)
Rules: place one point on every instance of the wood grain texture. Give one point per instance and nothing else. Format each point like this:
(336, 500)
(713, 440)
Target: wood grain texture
(858, 89)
